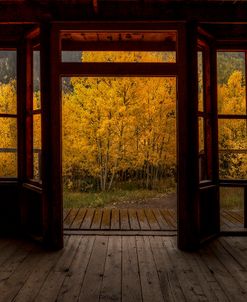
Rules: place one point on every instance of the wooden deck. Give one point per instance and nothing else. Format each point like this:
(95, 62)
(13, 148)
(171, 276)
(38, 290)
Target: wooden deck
(138, 220)
(123, 268)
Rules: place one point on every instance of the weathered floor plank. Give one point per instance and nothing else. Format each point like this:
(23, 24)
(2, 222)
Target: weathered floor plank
(188, 280)
(51, 287)
(111, 284)
(92, 282)
(131, 284)
(123, 268)
(124, 219)
(168, 279)
(151, 290)
(115, 219)
(106, 219)
(138, 219)
(96, 223)
(79, 218)
(71, 287)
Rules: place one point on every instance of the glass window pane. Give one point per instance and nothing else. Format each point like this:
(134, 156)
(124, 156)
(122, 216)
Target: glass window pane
(231, 208)
(8, 147)
(119, 56)
(232, 165)
(36, 80)
(232, 134)
(8, 82)
(37, 146)
(8, 163)
(231, 198)
(200, 81)
(231, 83)
(8, 133)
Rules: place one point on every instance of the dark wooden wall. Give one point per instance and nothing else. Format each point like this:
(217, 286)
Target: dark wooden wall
(9, 208)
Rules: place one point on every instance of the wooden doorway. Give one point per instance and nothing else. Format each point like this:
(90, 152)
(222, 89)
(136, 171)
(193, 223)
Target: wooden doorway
(133, 66)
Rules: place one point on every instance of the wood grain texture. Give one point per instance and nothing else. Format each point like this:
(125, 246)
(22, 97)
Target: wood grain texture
(123, 268)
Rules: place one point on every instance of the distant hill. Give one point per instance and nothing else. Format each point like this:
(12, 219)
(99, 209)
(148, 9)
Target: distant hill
(227, 63)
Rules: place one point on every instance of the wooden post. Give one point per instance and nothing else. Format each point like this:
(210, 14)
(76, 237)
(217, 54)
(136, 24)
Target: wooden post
(188, 208)
(245, 207)
(51, 135)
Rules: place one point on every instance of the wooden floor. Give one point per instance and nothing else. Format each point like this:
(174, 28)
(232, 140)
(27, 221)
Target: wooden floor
(120, 219)
(232, 220)
(137, 219)
(124, 269)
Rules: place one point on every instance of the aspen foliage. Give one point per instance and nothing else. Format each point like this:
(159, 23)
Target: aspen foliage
(8, 130)
(120, 125)
(233, 132)
(123, 129)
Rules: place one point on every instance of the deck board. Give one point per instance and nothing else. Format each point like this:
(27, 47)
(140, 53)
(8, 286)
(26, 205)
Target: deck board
(106, 219)
(131, 286)
(87, 221)
(79, 218)
(115, 219)
(111, 283)
(96, 223)
(138, 219)
(131, 268)
(124, 220)
(92, 283)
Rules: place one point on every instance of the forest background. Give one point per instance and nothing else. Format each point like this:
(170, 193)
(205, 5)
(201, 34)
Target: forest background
(119, 134)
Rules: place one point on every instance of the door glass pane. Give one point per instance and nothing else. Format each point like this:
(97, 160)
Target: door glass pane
(36, 80)
(37, 147)
(200, 81)
(201, 135)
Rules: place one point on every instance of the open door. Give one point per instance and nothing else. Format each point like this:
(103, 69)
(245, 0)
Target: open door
(198, 202)
(40, 198)
(30, 137)
(208, 188)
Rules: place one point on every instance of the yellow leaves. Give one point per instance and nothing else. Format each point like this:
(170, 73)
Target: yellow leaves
(127, 56)
(233, 132)
(231, 96)
(126, 122)
(8, 97)
(8, 131)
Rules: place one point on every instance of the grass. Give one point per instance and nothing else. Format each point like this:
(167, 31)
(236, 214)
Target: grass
(101, 199)
(231, 198)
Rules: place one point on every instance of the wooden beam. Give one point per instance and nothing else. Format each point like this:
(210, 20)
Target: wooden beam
(118, 69)
(210, 11)
(118, 46)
